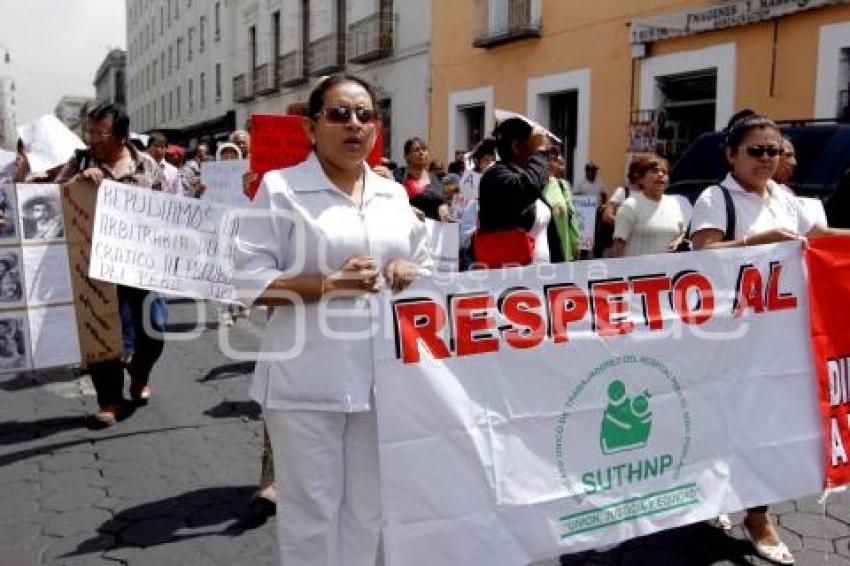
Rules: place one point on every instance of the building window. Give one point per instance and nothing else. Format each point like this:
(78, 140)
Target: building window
(217, 82)
(162, 108)
(500, 21)
(170, 60)
(470, 116)
(169, 14)
(217, 21)
(176, 10)
(162, 65)
(201, 27)
(179, 105)
(154, 73)
(832, 92)
(203, 88)
(191, 96)
(161, 20)
(170, 104)
(179, 51)
(190, 42)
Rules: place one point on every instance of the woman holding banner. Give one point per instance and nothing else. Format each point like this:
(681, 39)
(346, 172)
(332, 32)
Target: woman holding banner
(323, 236)
(748, 208)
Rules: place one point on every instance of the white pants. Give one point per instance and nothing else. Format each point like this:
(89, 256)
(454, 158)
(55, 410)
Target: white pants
(326, 473)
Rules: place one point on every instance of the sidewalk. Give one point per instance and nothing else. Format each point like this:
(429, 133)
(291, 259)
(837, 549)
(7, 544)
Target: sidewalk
(172, 484)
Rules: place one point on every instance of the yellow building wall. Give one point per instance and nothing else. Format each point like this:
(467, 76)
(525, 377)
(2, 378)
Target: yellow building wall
(577, 34)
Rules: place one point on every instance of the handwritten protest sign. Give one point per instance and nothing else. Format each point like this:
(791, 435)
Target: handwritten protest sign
(223, 180)
(96, 302)
(585, 208)
(280, 141)
(444, 245)
(168, 243)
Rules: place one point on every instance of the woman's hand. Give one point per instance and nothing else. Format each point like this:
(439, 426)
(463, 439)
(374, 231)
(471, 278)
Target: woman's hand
(419, 214)
(400, 273)
(770, 237)
(559, 209)
(247, 180)
(444, 213)
(358, 275)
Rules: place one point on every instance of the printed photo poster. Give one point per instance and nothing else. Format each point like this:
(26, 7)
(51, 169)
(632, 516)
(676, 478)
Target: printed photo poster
(36, 300)
(40, 210)
(14, 341)
(8, 215)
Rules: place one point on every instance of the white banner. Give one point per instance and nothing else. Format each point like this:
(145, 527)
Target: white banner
(532, 412)
(585, 208)
(162, 242)
(444, 245)
(223, 180)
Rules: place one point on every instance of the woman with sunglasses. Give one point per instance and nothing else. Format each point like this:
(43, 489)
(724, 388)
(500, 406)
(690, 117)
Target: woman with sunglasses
(764, 214)
(322, 237)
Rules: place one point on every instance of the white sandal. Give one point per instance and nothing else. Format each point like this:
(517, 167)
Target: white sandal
(778, 553)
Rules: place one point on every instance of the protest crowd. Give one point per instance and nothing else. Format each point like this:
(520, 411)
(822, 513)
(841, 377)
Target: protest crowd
(507, 201)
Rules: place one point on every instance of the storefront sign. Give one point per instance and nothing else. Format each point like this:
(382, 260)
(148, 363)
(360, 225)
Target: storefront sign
(718, 15)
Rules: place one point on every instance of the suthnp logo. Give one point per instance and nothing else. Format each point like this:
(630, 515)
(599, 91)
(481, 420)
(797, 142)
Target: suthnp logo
(628, 466)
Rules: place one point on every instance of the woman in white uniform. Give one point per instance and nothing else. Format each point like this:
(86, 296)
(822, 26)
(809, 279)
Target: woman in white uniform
(322, 237)
(764, 213)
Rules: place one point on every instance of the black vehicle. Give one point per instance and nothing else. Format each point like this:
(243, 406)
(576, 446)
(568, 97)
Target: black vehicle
(823, 155)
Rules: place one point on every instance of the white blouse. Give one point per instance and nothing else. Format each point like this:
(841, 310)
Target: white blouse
(318, 356)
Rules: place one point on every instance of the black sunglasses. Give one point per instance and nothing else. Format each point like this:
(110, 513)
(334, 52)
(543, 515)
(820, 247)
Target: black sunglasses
(762, 150)
(342, 114)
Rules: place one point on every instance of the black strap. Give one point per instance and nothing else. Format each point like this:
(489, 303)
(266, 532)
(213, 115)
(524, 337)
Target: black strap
(730, 214)
(627, 190)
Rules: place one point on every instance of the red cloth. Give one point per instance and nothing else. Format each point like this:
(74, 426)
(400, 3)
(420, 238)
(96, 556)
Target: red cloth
(414, 187)
(828, 262)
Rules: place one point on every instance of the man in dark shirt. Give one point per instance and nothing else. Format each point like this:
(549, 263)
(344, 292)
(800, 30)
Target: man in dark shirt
(110, 155)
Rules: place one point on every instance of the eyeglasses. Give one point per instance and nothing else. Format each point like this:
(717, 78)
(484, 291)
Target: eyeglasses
(342, 114)
(97, 133)
(762, 150)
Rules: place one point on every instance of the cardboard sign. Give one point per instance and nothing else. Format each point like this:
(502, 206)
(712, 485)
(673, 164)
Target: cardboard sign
(95, 302)
(279, 141)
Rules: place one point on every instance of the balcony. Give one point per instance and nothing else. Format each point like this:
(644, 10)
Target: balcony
(371, 38)
(327, 55)
(503, 21)
(290, 69)
(265, 80)
(243, 88)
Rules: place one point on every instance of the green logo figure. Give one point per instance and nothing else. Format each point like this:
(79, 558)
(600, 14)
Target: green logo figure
(626, 422)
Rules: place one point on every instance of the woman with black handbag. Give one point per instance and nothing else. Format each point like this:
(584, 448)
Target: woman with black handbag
(515, 222)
